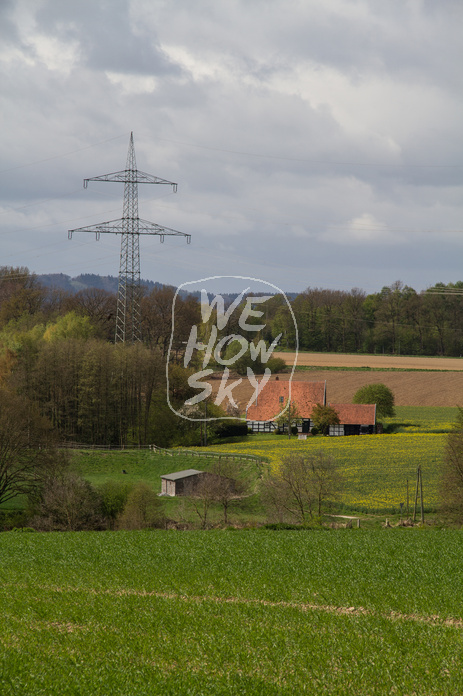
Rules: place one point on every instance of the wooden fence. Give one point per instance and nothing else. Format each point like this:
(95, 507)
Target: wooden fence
(208, 455)
(169, 452)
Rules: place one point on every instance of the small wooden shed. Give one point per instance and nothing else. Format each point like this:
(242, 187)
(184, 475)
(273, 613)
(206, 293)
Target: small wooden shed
(177, 483)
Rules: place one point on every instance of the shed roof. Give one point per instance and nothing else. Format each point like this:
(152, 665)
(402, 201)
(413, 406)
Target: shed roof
(181, 474)
(356, 414)
(274, 395)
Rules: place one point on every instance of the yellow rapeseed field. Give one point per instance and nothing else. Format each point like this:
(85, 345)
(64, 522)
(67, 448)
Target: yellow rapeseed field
(375, 467)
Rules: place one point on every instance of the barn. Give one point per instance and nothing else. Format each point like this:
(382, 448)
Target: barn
(184, 482)
(354, 419)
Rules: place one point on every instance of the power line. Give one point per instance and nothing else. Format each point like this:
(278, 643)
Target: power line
(310, 161)
(64, 154)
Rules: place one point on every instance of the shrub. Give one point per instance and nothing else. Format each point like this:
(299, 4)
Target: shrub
(113, 496)
(228, 428)
(68, 503)
(323, 417)
(276, 365)
(143, 509)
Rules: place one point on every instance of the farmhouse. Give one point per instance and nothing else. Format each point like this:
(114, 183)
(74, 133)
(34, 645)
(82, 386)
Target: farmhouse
(355, 419)
(272, 398)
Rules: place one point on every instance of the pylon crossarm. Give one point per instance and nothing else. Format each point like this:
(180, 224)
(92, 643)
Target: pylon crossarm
(113, 226)
(132, 176)
(147, 227)
(120, 227)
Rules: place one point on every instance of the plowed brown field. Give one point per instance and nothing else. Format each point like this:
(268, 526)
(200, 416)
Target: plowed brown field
(409, 388)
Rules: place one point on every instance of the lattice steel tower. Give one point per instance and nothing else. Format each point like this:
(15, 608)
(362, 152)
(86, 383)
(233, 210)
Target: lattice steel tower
(130, 226)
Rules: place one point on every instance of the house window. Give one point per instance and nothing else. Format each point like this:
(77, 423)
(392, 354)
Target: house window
(336, 430)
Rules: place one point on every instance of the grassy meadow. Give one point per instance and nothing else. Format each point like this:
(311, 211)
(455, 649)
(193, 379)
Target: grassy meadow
(375, 467)
(231, 612)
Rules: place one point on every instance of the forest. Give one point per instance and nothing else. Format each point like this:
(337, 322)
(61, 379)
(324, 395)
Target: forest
(57, 350)
(395, 320)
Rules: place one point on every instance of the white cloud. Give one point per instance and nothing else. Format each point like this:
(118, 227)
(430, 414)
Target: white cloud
(133, 84)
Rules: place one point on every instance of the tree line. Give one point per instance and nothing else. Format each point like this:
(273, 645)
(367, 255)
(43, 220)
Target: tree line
(396, 320)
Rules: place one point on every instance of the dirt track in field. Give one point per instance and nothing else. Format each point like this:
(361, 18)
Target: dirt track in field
(410, 388)
(433, 620)
(377, 361)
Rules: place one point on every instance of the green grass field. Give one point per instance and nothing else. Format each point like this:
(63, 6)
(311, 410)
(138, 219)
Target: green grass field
(250, 613)
(423, 419)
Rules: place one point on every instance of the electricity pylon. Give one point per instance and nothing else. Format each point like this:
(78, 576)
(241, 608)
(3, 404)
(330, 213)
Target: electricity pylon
(130, 226)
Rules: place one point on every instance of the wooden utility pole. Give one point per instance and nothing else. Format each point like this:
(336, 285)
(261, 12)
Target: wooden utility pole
(421, 496)
(419, 490)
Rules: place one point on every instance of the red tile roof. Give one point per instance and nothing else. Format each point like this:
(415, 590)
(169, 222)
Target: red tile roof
(356, 414)
(268, 406)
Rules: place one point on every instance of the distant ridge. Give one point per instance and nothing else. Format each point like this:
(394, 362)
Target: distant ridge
(84, 281)
(60, 281)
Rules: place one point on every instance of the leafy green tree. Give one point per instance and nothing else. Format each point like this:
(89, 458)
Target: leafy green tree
(71, 325)
(377, 394)
(323, 417)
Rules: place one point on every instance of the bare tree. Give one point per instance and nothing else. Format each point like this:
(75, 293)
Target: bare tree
(232, 484)
(301, 485)
(289, 418)
(225, 484)
(202, 495)
(27, 453)
(100, 306)
(68, 503)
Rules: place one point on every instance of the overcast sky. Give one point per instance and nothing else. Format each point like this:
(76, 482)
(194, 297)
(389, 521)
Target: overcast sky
(314, 143)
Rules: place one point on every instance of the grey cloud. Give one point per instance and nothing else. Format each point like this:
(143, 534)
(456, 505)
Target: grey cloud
(271, 173)
(106, 36)
(8, 31)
